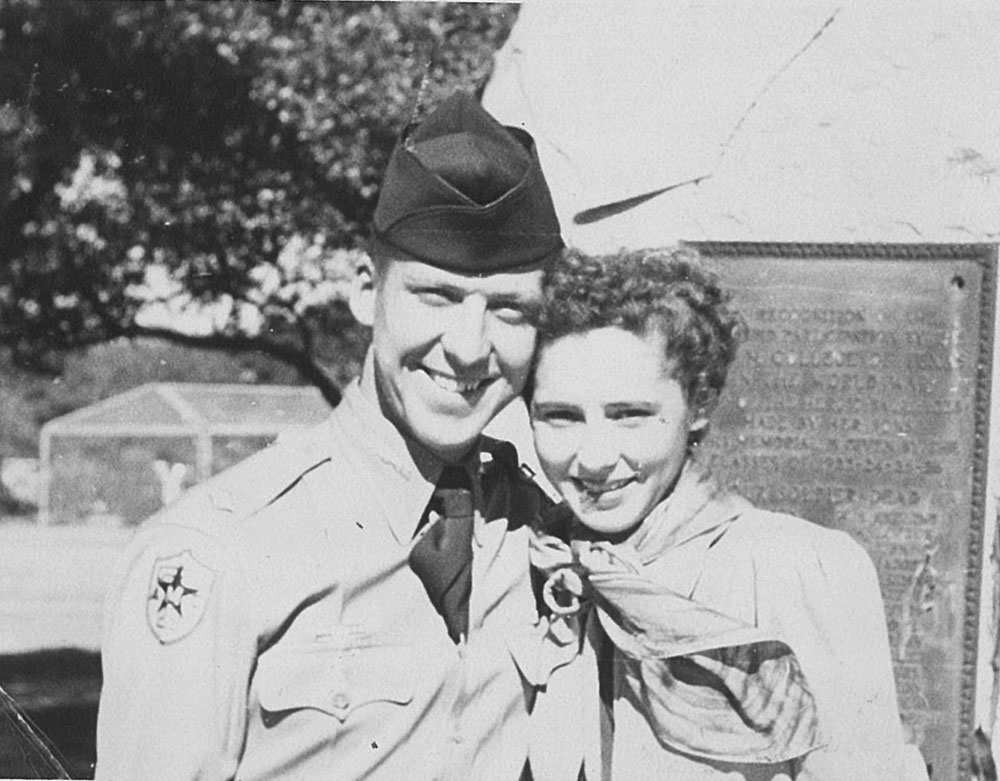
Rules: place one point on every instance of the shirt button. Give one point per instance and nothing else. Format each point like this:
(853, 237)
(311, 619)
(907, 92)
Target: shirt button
(341, 701)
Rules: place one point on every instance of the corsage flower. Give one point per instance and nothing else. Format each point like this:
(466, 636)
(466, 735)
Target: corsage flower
(563, 591)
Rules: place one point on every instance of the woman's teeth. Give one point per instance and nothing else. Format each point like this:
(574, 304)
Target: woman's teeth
(598, 489)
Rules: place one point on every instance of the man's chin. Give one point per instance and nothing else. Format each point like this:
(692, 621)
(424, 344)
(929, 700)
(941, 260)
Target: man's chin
(448, 425)
(448, 437)
(450, 450)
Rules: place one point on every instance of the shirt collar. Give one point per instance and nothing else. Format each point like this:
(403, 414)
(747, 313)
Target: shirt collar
(405, 473)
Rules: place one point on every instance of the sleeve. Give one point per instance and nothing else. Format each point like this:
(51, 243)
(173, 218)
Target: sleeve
(850, 670)
(176, 654)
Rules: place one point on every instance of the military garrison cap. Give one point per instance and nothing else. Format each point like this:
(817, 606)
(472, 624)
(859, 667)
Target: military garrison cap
(464, 193)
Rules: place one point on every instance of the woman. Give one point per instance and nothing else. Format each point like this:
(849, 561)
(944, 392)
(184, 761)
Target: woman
(746, 644)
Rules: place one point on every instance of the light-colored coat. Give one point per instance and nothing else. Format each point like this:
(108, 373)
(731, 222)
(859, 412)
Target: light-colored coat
(812, 588)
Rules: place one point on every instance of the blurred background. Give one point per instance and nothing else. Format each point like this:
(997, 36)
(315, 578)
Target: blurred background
(184, 188)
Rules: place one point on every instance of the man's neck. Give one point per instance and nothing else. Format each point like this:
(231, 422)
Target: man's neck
(426, 459)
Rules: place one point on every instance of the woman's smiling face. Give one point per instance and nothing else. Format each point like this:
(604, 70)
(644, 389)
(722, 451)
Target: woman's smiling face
(611, 424)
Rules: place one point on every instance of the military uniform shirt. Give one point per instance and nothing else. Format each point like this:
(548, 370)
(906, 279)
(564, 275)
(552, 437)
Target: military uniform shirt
(267, 625)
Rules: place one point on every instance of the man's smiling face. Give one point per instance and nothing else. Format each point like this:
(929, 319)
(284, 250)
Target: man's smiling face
(450, 349)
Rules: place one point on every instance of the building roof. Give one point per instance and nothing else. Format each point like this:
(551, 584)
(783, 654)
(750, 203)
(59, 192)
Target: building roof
(172, 408)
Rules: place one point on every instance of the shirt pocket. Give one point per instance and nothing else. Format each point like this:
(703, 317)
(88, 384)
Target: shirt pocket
(334, 678)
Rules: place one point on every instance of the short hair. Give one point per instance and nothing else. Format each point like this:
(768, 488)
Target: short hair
(380, 252)
(667, 291)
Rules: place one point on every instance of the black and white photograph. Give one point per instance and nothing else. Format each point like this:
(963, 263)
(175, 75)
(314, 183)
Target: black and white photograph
(514, 391)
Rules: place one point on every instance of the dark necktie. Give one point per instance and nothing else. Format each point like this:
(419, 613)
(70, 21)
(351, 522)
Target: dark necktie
(442, 558)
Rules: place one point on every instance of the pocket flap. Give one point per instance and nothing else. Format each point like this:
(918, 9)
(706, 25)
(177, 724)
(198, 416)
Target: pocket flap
(334, 679)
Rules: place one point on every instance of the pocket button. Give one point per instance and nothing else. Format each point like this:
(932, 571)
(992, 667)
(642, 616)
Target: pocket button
(341, 701)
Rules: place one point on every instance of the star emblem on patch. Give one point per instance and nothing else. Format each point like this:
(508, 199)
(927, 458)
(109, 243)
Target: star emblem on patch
(178, 593)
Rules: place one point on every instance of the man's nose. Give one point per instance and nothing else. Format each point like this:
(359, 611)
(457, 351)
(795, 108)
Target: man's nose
(465, 338)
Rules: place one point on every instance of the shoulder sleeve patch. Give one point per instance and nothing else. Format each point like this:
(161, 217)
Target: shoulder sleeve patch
(178, 594)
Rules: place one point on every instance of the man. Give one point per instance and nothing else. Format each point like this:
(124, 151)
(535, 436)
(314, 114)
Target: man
(284, 620)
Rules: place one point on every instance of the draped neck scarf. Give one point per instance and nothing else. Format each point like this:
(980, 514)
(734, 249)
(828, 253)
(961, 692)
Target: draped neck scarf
(709, 684)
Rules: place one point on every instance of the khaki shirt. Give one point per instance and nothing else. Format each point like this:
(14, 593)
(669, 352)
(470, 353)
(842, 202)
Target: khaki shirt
(268, 624)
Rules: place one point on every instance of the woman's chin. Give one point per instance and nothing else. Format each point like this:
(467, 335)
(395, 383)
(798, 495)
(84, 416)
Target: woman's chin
(613, 524)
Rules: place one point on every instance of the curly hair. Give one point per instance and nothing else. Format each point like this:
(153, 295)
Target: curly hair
(665, 291)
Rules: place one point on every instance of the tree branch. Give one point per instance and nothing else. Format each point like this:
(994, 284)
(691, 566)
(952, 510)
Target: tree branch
(293, 356)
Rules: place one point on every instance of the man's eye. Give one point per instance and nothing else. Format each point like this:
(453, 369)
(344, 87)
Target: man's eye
(515, 314)
(436, 296)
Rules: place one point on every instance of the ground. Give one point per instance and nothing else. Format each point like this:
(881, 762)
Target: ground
(58, 692)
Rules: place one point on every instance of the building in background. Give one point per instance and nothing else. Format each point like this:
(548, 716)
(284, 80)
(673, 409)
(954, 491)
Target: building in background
(103, 470)
(118, 461)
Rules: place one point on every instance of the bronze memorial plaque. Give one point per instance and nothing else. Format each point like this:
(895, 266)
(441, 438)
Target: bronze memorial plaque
(861, 401)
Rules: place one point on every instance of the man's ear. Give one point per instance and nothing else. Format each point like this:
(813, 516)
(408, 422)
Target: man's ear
(362, 301)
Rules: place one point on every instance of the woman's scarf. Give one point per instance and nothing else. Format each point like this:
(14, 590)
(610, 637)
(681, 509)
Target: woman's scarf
(709, 685)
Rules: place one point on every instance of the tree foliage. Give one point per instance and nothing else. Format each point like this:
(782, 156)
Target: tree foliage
(220, 158)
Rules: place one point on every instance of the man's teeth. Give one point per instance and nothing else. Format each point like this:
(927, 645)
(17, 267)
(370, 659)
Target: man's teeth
(453, 385)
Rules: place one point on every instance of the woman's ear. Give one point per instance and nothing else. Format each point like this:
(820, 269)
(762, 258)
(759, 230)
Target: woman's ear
(698, 427)
(696, 433)
(362, 300)
(702, 407)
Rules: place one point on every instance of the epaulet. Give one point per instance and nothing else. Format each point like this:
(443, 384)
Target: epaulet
(498, 453)
(505, 453)
(495, 453)
(502, 457)
(257, 481)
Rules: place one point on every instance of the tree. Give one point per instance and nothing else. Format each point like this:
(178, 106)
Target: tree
(215, 159)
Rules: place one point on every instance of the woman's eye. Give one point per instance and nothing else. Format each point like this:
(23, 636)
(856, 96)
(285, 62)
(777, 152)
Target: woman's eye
(557, 417)
(630, 414)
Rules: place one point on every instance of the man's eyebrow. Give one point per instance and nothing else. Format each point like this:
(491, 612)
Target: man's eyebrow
(521, 299)
(520, 296)
(430, 282)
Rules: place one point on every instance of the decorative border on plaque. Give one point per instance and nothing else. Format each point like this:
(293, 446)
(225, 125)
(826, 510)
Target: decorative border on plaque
(984, 254)
(986, 257)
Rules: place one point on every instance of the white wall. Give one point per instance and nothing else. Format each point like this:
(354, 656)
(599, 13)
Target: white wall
(813, 123)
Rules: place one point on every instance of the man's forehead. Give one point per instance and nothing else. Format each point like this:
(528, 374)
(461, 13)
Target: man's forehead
(525, 281)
